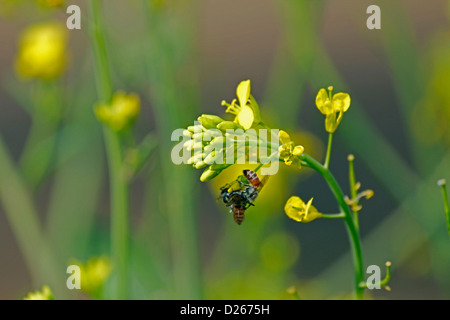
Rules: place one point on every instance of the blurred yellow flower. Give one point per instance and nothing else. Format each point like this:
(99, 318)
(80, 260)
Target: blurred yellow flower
(50, 3)
(42, 51)
(287, 151)
(45, 294)
(247, 111)
(121, 112)
(94, 274)
(300, 211)
(333, 107)
(279, 251)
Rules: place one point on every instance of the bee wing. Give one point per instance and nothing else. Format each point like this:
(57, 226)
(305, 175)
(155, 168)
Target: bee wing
(263, 182)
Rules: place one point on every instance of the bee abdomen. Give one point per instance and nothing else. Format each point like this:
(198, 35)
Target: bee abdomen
(238, 214)
(252, 177)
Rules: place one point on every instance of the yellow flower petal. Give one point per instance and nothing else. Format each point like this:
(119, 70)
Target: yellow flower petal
(284, 137)
(297, 210)
(243, 92)
(45, 294)
(330, 122)
(42, 51)
(290, 208)
(298, 150)
(246, 117)
(323, 102)
(341, 102)
(122, 111)
(312, 215)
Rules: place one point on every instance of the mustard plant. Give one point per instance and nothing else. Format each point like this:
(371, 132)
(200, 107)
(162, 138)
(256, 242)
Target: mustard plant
(211, 141)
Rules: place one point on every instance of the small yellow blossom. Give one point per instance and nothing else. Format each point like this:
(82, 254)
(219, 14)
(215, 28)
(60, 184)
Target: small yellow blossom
(94, 274)
(42, 51)
(50, 3)
(300, 211)
(247, 111)
(44, 294)
(287, 151)
(333, 107)
(121, 112)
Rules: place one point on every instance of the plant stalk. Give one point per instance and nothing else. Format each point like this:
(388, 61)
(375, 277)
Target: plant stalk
(119, 197)
(351, 229)
(327, 158)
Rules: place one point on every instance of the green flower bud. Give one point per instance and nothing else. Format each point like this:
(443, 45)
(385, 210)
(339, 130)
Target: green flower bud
(200, 165)
(186, 133)
(209, 174)
(188, 145)
(229, 125)
(196, 129)
(209, 121)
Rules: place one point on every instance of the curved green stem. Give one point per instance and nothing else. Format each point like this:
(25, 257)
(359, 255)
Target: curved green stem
(352, 231)
(118, 184)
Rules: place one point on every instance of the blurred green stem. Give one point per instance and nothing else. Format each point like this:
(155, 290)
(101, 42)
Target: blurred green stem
(442, 183)
(46, 112)
(118, 185)
(352, 231)
(23, 218)
(173, 101)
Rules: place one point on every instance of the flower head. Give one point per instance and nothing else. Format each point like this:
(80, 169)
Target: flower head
(44, 294)
(207, 146)
(300, 211)
(121, 112)
(247, 111)
(333, 107)
(287, 151)
(94, 274)
(42, 51)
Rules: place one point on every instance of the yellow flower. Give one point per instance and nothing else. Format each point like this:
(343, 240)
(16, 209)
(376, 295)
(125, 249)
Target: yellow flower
(94, 274)
(287, 151)
(50, 3)
(45, 294)
(121, 112)
(300, 211)
(333, 107)
(42, 51)
(247, 111)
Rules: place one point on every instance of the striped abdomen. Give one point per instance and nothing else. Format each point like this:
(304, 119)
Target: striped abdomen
(238, 214)
(252, 177)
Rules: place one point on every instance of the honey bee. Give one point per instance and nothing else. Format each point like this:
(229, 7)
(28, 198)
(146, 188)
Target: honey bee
(241, 199)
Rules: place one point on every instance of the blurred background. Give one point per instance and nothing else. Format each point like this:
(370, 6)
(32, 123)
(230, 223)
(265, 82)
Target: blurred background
(183, 58)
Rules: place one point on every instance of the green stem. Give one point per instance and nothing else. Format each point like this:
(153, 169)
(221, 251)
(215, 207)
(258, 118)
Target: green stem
(352, 180)
(333, 216)
(352, 231)
(258, 167)
(118, 184)
(443, 185)
(327, 158)
(39, 150)
(21, 213)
